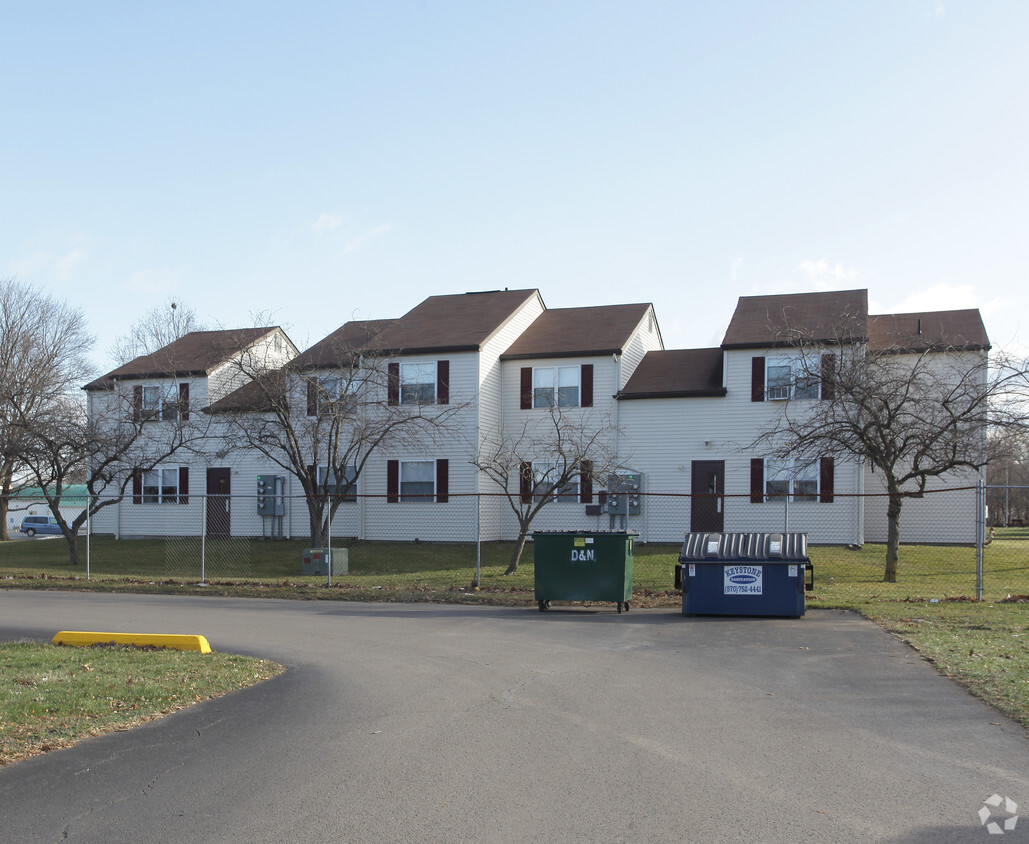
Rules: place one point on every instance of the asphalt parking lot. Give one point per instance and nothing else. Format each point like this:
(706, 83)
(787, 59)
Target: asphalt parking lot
(455, 723)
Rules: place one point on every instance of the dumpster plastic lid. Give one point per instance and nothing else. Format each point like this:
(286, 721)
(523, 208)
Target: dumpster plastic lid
(744, 546)
(585, 533)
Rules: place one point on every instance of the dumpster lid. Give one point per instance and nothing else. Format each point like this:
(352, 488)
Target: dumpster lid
(585, 533)
(744, 546)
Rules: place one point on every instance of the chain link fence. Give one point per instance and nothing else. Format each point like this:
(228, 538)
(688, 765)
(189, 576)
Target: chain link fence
(950, 547)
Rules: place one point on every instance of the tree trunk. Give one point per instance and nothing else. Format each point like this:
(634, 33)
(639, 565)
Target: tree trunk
(517, 553)
(5, 500)
(73, 548)
(893, 535)
(316, 513)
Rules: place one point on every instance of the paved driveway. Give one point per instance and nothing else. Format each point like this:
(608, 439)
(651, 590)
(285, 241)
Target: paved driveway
(446, 723)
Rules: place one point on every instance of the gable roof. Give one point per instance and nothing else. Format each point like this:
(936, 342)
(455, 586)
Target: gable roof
(575, 332)
(338, 348)
(196, 353)
(928, 331)
(676, 373)
(257, 394)
(786, 319)
(461, 322)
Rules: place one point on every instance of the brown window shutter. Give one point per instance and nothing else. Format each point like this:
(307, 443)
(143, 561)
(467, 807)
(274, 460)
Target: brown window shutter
(526, 388)
(828, 376)
(443, 382)
(137, 403)
(442, 481)
(392, 481)
(525, 482)
(184, 401)
(586, 482)
(586, 385)
(183, 485)
(757, 480)
(393, 383)
(137, 486)
(312, 398)
(826, 480)
(757, 379)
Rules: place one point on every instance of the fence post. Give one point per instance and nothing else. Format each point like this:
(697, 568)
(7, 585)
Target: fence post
(980, 537)
(786, 513)
(203, 541)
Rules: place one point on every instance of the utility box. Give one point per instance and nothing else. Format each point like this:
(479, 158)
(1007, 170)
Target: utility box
(321, 560)
(583, 566)
(623, 494)
(765, 574)
(271, 491)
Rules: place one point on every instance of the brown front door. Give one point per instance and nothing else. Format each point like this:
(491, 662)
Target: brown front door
(219, 483)
(707, 502)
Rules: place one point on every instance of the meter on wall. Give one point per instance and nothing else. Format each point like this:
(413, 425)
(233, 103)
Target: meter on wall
(623, 493)
(270, 489)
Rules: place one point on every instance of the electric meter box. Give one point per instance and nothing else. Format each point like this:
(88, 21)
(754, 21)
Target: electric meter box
(623, 491)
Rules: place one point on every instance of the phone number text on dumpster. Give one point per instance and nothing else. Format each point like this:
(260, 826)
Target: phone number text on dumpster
(743, 580)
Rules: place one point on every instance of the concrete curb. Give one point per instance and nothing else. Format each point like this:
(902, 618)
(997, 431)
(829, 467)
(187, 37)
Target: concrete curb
(177, 642)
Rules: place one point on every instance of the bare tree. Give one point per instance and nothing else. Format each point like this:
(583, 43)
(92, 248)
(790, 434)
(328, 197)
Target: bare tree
(547, 460)
(107, 449)
(44, 345)
(1007, 474)
(323, 415)
(912, 415)
(155, 329)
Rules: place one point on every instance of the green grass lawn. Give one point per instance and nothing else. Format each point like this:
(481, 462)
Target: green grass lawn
(52, 697)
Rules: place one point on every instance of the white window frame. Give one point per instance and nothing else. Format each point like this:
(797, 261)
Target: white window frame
(349, 475)
(550, 383)
(160, 401)
(416, 496)
(568, 493)
(414, 388)
(161, 491)
(795, 388)
(793, 479)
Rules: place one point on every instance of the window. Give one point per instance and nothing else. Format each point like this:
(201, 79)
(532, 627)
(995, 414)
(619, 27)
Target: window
(797, 480)
(331, 484)
(795, 377)
(161, 485)
(557, 386)
(776, 480)
(419, 382)
(160, 401)
(322, 391)
(792, 378)
(544, 477)
(417, 480)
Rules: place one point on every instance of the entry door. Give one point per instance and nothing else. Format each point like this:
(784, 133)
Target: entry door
(707, 503)
(218, 502)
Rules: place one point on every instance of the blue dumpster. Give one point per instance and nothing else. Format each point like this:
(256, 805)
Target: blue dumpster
(765, 574)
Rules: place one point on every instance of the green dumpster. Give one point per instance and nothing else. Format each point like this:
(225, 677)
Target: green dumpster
(583, 566)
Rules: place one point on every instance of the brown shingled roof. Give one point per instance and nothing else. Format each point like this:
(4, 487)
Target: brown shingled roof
(196, 353)
(676, 373)
(335, 350)
(786, 319)
(255, 395)
(573, 332)
(460, 322)
(927, 331)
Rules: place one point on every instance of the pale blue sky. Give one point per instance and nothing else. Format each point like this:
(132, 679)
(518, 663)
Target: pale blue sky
(328, 161)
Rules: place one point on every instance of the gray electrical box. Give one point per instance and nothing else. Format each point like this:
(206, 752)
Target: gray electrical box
(623, 493)
(271, 491)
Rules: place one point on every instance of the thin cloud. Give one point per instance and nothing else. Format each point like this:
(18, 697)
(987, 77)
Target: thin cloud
(825, 276)
(153, 281)
(326, 223)
(362, 239)
(36, 264)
